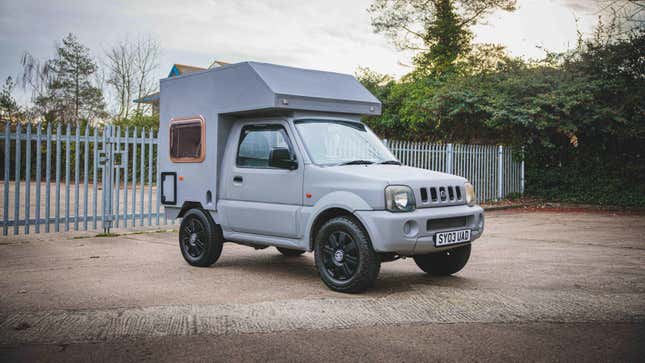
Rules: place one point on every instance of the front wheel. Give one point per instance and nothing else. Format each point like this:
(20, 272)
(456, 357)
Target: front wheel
(344, 256)
(444, 263)
(200, 240)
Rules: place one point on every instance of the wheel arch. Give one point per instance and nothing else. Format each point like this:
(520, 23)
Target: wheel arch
(328, 214)
(188, 206)
(332, 205)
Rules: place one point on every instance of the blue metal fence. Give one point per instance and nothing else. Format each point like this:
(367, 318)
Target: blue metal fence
(496, 171)
(96, 183)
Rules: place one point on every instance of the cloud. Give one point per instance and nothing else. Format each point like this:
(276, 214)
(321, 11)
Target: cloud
(334, 35)
(582, 6)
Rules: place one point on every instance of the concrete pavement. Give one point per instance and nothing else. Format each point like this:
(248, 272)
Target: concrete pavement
(539, 286)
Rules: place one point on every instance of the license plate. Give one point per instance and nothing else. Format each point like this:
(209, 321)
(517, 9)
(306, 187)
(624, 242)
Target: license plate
(451, 238)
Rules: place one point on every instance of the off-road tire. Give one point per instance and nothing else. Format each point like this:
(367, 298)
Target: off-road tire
(366, 263)
(444, 263)
(207, 248)
(290, 252)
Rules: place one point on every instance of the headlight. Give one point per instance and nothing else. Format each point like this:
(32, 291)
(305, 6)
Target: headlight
(399, 198)
(471, 199)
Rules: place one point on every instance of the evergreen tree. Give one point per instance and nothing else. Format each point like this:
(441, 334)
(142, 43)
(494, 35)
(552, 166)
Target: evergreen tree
(72, 94)
(8, 105)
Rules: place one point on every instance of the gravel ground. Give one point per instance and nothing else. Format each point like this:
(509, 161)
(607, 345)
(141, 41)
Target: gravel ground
(540, 285)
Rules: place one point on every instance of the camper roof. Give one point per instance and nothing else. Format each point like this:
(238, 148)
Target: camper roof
(253, 86)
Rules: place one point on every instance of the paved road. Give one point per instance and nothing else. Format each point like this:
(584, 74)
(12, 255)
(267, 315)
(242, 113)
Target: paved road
(539, 286)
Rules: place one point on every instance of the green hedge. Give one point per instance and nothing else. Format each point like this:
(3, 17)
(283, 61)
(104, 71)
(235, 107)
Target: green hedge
(579, 115)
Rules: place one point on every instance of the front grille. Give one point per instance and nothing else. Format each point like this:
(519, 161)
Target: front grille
(449, 194)
(446, 223)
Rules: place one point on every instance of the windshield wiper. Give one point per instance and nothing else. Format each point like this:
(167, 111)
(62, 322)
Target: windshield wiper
(357, 162)
(390, 162)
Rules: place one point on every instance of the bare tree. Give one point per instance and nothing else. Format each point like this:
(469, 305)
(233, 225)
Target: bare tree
(121, 75)
(630, 10)
(618, 19)
(131, 72)
(37, 76)
(146, 62)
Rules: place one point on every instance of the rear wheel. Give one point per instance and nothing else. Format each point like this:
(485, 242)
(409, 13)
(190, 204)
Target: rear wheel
(200, 240)
(344, 256)
(444, 263)
(289, 252)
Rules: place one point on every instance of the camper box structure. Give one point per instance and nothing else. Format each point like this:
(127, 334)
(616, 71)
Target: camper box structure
(222, 95)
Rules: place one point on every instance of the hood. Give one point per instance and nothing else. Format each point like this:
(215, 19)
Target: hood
(395, 174)
(369, 182)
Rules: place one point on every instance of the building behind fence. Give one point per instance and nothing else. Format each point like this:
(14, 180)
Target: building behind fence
(65, 178)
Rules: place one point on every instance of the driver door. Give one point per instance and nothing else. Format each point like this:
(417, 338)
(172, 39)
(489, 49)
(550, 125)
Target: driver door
(264, 199)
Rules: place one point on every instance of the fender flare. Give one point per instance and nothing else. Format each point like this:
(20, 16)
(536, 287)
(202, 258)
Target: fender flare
(343, 200)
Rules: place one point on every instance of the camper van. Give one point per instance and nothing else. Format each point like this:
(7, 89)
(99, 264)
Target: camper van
(267, 155)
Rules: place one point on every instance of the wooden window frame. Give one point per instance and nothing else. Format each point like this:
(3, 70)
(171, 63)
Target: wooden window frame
(202, 151)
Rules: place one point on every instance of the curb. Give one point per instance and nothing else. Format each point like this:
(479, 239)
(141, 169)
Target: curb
(504, 207)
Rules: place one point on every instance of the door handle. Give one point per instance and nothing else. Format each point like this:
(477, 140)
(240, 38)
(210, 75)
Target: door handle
(237, 179)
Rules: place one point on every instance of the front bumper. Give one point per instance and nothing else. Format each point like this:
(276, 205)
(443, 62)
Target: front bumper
(407, 234)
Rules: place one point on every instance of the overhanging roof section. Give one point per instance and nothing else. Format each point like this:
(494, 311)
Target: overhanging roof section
(297, 82)
(252, 86)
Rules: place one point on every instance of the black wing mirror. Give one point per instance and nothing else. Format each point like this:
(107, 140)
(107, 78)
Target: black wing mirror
(280, 157)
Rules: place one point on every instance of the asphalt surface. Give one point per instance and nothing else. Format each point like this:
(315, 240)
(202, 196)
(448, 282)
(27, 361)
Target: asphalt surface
(540, 286)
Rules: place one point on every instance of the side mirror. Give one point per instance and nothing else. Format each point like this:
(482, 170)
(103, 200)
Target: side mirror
(281, 158)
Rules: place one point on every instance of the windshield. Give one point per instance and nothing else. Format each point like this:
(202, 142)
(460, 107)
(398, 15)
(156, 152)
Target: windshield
(331, 142)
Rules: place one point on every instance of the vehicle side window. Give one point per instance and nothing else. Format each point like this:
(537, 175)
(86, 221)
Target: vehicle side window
(257, 142)
(187, 140)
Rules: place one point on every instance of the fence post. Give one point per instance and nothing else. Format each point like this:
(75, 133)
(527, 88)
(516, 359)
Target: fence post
(500, 172)
(16, 205)
(39, 153)
(27, 178)
(107, 174)
(449, 158)
(7, 161)
(522, 173)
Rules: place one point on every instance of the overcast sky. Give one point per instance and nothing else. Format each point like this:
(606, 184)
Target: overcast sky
(321, 34)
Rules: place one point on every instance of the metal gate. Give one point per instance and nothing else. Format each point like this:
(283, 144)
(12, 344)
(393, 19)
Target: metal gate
(78, 178)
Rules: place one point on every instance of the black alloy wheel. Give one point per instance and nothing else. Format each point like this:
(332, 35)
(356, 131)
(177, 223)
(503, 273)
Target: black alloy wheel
(200, 240)
(340, 256)
(193, 238)
(344, 256)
